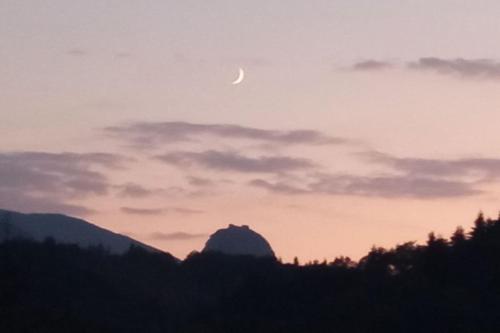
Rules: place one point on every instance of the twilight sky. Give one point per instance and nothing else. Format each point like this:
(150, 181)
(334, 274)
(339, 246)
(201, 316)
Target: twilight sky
(358, 122)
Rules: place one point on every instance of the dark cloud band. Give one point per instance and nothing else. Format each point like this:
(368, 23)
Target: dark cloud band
(175, 236)
(466, 68)
(153, 134)
(49, 182)
(230, 161)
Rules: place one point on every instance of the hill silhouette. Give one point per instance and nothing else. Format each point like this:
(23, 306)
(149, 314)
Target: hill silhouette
(63, 229)
(236, 240)
(445, 285)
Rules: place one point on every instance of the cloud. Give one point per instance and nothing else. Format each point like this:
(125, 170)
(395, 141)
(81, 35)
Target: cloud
(160, 211)
(278, 187)
(142, 211)
(198, 186)
(186, 211)
(133, 190)
(200, 182)
(371, 65)
(175, 236)
(69, 174)
(465, 68)
(392, 187)
(47, 181)
(460, 67)
(381, 186)
(153, 134)
(415, 177)
(479, 168)
(406, 178)
(230, 161)
(137, 191)
(123, 55)
(77, 52)
(27, 203)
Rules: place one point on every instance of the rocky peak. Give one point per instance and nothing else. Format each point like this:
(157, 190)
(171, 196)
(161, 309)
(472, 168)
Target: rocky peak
(238, 240)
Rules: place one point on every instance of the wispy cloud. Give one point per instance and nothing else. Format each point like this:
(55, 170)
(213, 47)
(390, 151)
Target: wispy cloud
(123, 55)
(230, 161)
(176, 236)
(372, 65)
(458, 67)
(186, 211)
(133, 190)
(280, 187)
(405, 178)
(29, 203)
(200, 181)
(374, 186)
(479, 168)
(160, 211)
(465, 68)
(77, 52)
(50, 181)
(142, 211)
(162, 133)
(392, 187)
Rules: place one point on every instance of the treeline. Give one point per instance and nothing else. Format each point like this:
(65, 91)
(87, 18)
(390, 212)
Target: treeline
(446, 285)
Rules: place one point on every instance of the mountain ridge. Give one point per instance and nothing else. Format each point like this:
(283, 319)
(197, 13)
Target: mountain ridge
(64, 229)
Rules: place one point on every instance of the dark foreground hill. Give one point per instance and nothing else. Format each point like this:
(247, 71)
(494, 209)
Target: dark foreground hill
(63, 229)
(442, 286)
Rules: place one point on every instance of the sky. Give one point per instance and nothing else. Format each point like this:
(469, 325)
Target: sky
(358, 123)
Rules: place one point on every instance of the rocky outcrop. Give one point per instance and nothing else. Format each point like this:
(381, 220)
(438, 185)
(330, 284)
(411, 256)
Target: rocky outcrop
(237, 240)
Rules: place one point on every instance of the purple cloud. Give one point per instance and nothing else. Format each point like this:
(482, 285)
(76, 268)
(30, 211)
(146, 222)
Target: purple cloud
(409, 178)
(142, 211)
(482, 168)
(186, 211)
(465, 68)
(372, 65)
(133, 190)
(77, 52)
(383, 186)
(160, 211)
(40, 181)
(392, 187)
(175, 236)
(278, 187)
(155, 134)
(229, 161)
(200, 181)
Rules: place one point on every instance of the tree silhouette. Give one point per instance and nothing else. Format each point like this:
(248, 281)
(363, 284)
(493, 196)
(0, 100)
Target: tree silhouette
(480, 227)
(459, 237)
(6, 225)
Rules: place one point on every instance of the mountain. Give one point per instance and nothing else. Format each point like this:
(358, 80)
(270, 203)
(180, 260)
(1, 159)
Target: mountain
(236, 240)
(63, 229)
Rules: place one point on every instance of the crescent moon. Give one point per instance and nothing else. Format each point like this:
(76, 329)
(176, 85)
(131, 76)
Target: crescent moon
(241, 76)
